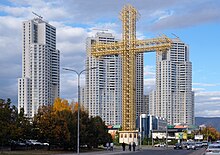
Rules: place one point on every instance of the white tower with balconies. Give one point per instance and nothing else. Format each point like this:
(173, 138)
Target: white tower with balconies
(174, 99)
(103, 91)
(40, 82)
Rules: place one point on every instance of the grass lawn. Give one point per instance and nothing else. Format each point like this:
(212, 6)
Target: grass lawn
(43, 152)
(32, 152)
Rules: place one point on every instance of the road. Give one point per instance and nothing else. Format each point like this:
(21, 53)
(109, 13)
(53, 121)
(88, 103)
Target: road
(148, 151)
(154, 151)
(168, 151)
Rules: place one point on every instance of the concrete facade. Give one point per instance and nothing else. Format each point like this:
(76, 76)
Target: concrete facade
(103, 90)
(174, 96)
(40, 81)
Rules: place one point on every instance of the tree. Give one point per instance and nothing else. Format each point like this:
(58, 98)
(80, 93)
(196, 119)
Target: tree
(97, 132)
(57, 125)
(8, 117)
(61, 104)
(21, 129)
(51, 127)
(210, 133)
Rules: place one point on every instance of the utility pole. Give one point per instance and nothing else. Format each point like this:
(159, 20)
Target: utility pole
(78, 116)
(166, 134)
(152, 138)
(140, 130)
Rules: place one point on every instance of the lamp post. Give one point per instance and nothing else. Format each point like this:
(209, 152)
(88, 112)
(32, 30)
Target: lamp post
(78, 76)
(166, 133)
(140, 130)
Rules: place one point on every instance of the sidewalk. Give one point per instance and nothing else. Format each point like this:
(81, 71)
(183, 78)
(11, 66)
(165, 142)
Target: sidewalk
(116, 151)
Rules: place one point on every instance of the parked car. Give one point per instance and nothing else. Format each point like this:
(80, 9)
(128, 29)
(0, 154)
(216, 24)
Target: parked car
(198, 144)
(17, 145)
(213, 149)
(160, 145)
(178, 146)
(157, 145)
(47, 144)
(184, 144)
(191, 145)
(34, 142)
(205, 144)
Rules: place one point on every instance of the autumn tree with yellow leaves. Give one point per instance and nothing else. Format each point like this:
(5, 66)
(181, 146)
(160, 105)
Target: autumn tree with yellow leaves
(61, 104)
(57, 125)
(210, 133)
(50, 127)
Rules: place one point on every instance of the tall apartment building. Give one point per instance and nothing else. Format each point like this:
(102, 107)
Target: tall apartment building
(146, 104)
(103, 89)
(40, 81)
(140, 103)
(152, 103)
(174, 96)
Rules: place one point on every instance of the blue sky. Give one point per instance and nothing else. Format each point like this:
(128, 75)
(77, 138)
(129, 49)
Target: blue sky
(195, 22)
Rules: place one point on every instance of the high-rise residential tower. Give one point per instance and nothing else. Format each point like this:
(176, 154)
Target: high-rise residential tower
(174, 96)
(103, 89)
(140, 103)
(40, 82)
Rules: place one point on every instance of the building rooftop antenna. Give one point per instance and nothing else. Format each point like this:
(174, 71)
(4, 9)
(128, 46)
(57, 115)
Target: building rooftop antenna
(175, 35)
(37, 15)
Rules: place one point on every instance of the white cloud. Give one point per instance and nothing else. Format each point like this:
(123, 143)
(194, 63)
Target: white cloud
(211, 93)
(149, 78)
(108, 27)
(16, 11)
(47, 9)
(215, 98)
(162, 14)
(207, 103)
(198, 89)
(104, 15)
(10, 57)
(149, 85)
(208, 113)
(205, 84)
(149, 71)
(202, 12)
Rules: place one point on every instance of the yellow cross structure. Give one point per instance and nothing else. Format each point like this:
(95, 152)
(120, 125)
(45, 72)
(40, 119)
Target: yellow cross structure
(128, 47)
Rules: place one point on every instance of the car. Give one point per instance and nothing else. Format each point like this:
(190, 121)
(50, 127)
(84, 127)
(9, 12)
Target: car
(213, 149)
(178, 146)
(157, 145)
(198, 144)
(191, 146)
(160, 145)
(163, 145)
(184, 144)
(205, 144)
(47, 144)
(34, 142)
(17, 143)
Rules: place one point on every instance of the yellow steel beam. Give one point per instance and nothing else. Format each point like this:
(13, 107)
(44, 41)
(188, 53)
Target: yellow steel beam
(101, 49)
(128, 48)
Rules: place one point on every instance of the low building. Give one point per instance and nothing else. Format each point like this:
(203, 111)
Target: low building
(148, 123)
(113, 129)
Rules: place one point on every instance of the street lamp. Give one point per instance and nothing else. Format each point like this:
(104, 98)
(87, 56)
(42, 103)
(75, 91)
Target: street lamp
(78, 76)
(166, 133)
